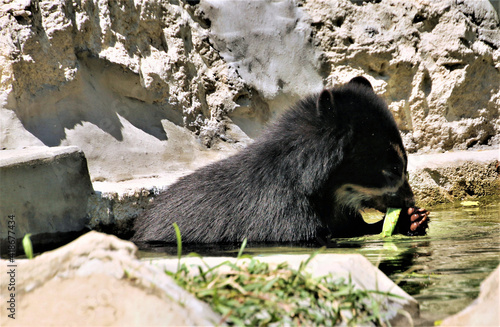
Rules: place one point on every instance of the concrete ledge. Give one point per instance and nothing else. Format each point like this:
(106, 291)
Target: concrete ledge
(44, 192)
(454, 158)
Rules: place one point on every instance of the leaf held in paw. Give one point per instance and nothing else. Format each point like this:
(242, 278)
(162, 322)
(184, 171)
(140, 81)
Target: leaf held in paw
(391, 219)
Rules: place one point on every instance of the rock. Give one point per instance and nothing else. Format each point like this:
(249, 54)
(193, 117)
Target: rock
(453, 176)
(97, 280)
(484, 310)
(437, 64)
(258, 49)
(348, 266)
(149, 89)
(128, 90)
(44, 192)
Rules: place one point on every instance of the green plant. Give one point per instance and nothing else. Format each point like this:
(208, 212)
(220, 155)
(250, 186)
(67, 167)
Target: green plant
(27, 246)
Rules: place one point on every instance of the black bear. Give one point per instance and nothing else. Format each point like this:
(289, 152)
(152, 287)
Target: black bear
(306, 178)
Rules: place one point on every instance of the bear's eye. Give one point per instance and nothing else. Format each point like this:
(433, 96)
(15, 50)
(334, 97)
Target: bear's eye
(393, 172)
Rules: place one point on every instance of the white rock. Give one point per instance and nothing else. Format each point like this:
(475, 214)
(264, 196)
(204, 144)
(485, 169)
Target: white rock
(270, 48)
(97, 280)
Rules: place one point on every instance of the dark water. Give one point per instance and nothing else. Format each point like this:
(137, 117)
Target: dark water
(442, 270)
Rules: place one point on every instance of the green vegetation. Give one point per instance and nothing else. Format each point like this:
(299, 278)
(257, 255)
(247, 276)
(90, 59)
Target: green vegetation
(252, 293)
(391, 219)
(27, 246)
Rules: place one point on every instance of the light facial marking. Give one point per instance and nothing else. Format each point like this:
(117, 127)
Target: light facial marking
(352, 195)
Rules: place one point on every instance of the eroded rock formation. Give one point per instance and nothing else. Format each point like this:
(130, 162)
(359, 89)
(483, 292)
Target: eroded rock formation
(144, 88)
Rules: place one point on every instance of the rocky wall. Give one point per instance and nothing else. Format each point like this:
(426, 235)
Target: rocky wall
(147, 88)
(437, 64)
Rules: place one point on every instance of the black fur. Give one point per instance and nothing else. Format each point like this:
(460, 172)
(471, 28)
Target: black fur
(305, 178)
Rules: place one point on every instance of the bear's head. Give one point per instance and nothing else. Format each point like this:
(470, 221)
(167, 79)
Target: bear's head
(372, 172)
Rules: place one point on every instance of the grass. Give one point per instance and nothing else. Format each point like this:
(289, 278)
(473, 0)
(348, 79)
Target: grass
(252, 293)
(27, 246)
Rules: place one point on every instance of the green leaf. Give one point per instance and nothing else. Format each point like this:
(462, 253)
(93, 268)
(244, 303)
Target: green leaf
(179, 244)
(27, 246)
(243, 245)
(270, 284)
(470, 203)
(390, 221)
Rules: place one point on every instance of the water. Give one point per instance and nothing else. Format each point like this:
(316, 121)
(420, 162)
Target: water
(442, 270)
(460, 251)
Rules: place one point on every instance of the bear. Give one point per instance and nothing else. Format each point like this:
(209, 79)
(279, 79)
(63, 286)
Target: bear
(306, 178)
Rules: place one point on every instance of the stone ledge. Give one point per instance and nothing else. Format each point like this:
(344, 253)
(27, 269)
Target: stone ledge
(45, 190)
(33, 155)
(453, 176)
(435, 178)
(453, 158)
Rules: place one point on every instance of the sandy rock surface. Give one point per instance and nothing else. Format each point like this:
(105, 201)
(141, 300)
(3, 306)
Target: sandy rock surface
(97, 280)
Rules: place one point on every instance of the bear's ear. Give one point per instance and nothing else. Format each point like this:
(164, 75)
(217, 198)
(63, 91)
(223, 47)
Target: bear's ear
(324, 103)
(360, 80)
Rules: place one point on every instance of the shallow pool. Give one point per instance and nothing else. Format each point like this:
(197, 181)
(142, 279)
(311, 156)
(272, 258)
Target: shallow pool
(442, 270)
